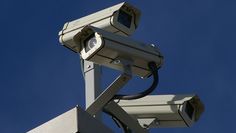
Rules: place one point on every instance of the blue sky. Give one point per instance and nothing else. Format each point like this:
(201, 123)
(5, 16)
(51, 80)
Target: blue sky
(40, 79)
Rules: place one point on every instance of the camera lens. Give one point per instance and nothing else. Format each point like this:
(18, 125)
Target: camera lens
(189, 109)
(124, 18)
(90, 43)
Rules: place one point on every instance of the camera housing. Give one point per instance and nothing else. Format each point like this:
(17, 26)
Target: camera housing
(115, 51)
(122, 19)
(157, 111)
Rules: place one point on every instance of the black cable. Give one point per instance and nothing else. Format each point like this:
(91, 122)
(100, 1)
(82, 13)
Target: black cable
(118, 122)
(152, 66)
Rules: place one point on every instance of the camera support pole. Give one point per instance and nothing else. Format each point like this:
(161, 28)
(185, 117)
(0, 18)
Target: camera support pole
(92, 76)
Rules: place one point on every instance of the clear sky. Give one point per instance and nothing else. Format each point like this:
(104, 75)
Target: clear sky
(40, 79)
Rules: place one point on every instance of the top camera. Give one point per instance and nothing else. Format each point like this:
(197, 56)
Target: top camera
(122, 19)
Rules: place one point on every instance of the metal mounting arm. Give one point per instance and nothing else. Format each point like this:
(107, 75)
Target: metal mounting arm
(113, 88)
(125, 118)
(108, 94)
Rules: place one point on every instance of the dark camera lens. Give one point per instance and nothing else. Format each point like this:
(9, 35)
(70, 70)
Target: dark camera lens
(189, 109)
(124, 18)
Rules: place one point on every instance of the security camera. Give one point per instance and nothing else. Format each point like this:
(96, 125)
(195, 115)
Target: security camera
(121, 19)
(115, 51)
(156, 111)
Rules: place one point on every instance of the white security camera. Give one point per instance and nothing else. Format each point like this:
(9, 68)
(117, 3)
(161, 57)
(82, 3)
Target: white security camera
(156, 111)
(121, 19)
(115, 51)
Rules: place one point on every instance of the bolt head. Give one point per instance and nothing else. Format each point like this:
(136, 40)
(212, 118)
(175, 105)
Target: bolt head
(88, 66)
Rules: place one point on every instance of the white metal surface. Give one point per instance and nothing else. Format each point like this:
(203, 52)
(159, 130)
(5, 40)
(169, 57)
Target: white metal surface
(74, 121)
(146, 122)
(158, 100)
(92, 75)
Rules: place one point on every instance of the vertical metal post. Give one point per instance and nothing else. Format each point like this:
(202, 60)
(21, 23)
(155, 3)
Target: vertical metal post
(92, 75)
